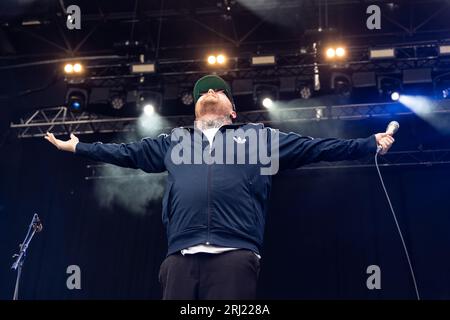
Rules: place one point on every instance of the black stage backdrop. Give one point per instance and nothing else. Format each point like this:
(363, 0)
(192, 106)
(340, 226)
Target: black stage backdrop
(324, 227)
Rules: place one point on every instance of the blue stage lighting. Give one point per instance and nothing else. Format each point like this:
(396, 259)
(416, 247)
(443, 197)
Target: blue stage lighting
(395, 96)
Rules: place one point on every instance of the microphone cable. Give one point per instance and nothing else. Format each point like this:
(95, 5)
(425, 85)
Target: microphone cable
(398, 227)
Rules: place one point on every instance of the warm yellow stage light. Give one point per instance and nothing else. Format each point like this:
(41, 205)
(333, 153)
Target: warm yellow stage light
(68, 68)
(220, 59)
(331, 53)
(77, 68)
(212, 60)
(340, 52)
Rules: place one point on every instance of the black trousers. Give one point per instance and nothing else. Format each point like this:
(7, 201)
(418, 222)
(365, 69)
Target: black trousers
(228, 275)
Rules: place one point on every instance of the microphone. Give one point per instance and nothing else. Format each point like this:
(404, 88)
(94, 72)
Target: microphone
(37, 224)
(391, 129)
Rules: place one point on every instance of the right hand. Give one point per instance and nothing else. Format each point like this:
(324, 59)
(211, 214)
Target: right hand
(68, 145)
(385, 141)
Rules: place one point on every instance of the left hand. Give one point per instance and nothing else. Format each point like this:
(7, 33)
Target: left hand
(384, 140)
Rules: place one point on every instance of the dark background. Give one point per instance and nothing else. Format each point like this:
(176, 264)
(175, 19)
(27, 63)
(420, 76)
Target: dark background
(324, 226)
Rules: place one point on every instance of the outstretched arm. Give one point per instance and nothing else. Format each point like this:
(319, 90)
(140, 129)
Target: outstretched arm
(296, 150)
(147, 154)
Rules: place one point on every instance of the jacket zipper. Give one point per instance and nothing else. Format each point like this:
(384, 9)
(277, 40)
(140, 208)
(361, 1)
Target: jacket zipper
(209, 204)
(209, 195)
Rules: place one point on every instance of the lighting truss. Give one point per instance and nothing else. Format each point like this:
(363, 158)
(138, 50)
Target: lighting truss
(391, 159)
(61, 121)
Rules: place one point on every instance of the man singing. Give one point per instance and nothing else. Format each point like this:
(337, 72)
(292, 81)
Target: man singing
(217, 191)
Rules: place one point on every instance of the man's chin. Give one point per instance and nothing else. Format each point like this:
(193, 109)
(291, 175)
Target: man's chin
(209, 108)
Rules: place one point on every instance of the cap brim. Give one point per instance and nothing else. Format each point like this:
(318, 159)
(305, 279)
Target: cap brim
(211, 82)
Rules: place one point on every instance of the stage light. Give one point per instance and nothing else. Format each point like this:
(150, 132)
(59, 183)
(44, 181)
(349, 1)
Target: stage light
(444, 50)
(331, 53)
(77, 68)
(319, 113)
(305, 92)
(216, 60)
(68, 68)
(143, 68)
(187, 98)
(335, 53)
(267, 103)
(343, 88)
(75, 106)
(265, 95)
(149, 102)
(387, 86)
(220, 59)
(149, 109)
(212, 60)
(341, 84)
(227, 7)
(32, 23)
(117, 102)
(73, 68)
(395, 96)
(382, 53)
(263, 60)
(442, 86)
(340, 52)
(76, 99)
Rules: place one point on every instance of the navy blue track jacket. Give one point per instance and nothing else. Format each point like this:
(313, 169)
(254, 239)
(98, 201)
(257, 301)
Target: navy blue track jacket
(219, 203)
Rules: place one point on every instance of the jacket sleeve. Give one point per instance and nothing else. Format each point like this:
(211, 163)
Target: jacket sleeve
(147, 154)
(296, 150)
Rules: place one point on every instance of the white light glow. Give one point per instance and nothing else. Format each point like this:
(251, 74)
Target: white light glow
(149, 110)
(267, 103)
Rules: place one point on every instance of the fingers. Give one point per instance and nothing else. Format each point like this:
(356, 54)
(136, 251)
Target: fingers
(385, 146)
(386, 143)
(384, 137)
(388, 139)
(51, 138)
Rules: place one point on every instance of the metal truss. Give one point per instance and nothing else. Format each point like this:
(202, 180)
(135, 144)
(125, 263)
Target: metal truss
(61, 121)
(114, 71)
(292, 64)
(399, 158)
(391, 159)
(196, 13)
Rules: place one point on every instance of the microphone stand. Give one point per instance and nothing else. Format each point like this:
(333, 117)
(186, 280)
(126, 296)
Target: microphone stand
(35, 226)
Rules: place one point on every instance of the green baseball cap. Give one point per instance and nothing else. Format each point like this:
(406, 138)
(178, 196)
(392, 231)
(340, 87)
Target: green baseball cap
(212, 82)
